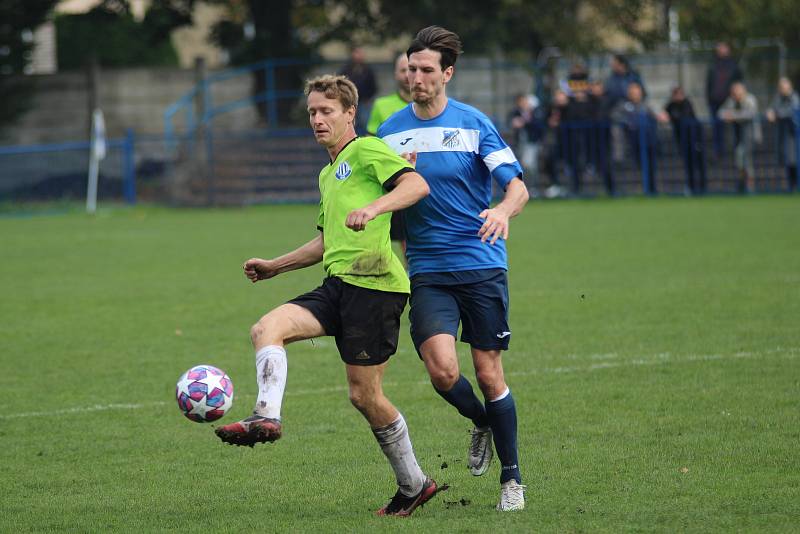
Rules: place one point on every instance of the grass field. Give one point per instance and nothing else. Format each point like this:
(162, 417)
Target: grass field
(655, 363)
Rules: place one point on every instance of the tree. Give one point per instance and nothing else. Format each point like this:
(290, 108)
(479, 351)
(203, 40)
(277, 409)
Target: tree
(739, 20)
(110, 34)
(256, 29)
(18, 20)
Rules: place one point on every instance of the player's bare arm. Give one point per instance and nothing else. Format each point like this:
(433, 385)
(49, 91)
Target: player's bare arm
(309, 254)
(496, 219)
(409, 188)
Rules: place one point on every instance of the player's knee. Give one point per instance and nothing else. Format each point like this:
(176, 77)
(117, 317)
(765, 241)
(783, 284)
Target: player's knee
(256, 331)
(489, 381)
(443, 378)
(359, 398)
(265, 328)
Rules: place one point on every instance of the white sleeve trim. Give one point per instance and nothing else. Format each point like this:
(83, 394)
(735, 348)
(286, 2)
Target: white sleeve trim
(495, 159)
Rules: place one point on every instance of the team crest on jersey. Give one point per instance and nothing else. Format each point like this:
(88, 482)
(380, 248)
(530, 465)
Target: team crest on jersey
(343, 171)
(451, 138)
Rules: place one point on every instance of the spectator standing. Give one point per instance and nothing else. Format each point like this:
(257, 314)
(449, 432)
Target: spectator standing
(622, 75)
(723, 72)
(579, 126)
(688, 135)
(741, 110)
(639, 123)
(601, 135)
(361, 74)
(785, 111)
(527, 130)
(553, 142)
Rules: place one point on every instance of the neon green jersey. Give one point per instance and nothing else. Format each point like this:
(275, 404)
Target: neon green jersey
(383, 108)
(352, 181)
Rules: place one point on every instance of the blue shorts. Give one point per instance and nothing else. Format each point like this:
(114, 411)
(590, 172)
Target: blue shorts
(476, 299)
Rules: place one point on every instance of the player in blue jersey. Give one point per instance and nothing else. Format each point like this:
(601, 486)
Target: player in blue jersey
(456, 250)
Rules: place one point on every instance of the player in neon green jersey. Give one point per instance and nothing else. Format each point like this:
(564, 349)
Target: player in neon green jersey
(383, 108)
(361, 299)
(386, 106)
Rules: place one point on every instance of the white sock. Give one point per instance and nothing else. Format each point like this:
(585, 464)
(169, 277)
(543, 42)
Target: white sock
(396, 445)
(271, 370)
(502, 396)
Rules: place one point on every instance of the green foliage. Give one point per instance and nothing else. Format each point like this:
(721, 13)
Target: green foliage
(654, 363)
(295, 28)
(18, 20)
(739, 20)
(115, 41)
(518, 28)
(110, 33)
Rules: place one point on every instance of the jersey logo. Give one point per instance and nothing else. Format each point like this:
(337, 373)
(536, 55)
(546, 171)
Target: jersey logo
(451, 138)
(406, 140)
(343, 171)
(503, 334)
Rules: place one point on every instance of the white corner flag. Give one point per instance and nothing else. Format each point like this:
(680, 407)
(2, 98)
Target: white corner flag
(96, 154)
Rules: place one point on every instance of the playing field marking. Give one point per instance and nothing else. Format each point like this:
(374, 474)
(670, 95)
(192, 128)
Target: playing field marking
(85, 409)
(663, 358)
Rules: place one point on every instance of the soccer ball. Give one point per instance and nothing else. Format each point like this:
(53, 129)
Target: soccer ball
(204, 393)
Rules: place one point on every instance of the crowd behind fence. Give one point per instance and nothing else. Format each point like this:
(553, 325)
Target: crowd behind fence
(578, 155)
(587, 158)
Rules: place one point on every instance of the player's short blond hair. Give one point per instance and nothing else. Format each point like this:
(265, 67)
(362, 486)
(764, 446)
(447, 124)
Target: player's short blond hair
(337, 86)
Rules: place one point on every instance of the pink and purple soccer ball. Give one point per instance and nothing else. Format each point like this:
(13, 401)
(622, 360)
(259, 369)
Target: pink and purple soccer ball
(204, 393)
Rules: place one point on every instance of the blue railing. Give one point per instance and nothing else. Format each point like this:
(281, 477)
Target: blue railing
(23, 169)
(203, 91)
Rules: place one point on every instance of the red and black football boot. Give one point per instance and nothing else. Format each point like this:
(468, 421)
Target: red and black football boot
(403, 506)
(249, 431)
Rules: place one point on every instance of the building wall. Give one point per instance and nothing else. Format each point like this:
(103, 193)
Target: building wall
(129, 98)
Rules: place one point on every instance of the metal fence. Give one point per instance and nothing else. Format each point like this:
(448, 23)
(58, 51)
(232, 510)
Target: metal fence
(263, 166)
(195, 161)
(602, 157)
(59, 171)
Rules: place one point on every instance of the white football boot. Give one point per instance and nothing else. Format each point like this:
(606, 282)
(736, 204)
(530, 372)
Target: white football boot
(512, 496)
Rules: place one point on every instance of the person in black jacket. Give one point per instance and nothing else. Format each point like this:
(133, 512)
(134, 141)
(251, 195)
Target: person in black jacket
(688, 133)
(600, 145)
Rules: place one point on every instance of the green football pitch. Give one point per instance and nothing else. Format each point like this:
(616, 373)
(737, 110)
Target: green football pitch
(655, 362)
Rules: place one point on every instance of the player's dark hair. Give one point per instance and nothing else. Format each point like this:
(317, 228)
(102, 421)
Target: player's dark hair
(436, 38)
(334, 86)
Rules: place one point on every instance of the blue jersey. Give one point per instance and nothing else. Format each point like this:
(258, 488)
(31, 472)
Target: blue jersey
(458, 154)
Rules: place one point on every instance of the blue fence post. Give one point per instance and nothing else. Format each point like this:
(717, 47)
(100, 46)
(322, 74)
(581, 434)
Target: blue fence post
(208, 101)
(272, 104)
(210, 165)
(129, 167)
(644, 157)
(797, 148)
(686, 153)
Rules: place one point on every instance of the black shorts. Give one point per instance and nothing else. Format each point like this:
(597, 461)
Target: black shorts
(365, 322)
(397, 230)
(478, 300)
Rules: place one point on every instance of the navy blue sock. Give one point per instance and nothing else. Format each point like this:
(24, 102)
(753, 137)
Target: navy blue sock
(463, 398)
(503, 420)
